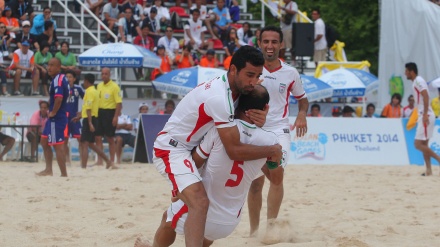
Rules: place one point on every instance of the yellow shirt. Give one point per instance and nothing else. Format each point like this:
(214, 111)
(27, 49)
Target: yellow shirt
(109, 95)
(90, 102)
(435, 104)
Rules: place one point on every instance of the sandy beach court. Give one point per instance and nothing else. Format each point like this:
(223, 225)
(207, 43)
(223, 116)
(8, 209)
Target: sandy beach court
(323, 206)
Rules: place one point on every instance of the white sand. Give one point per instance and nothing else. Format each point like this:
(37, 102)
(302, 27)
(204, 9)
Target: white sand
(323, 206)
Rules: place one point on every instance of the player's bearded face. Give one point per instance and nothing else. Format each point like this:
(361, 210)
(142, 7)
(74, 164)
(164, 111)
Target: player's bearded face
(247, 78)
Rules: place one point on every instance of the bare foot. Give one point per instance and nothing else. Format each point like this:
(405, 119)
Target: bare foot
(97, 164)
(112, 167)
(142, 242)
(44, 173)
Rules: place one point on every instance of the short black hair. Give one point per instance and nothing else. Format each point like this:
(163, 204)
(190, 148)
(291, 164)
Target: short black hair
(47, 7)
(247, 54)
(257, 99)
(317, 10)
(90, 78)
(65, 43)
(71, 72)
(170, 102)
(397, 96)
(195, 10)
(272, 28)
(315, 106)
(371, 105)
(188, 46)
(47, 25)
(412, 67)
(44, 45)
(43, 102)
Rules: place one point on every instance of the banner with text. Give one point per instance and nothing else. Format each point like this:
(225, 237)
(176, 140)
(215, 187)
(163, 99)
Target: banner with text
(415, 156)
(350, 141)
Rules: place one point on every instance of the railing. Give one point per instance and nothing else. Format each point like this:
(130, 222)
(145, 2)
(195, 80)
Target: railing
(263, 2)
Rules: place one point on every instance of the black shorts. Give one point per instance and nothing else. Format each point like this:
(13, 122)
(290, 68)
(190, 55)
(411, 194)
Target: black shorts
(127, 139)
(86, 134)
(105, 126)
(3, 137)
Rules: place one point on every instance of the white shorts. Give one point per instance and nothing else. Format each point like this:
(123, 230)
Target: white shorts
(178, 167)
(425, 132)
(177, 214)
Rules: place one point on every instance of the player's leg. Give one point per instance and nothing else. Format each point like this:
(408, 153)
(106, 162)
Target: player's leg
(165, 234)
(61, 158)
(423, 133)
(181, 171)
(207, 243)
(47, 150)
(118, 148)
(67, 150)
(255, 201)
(57, 142)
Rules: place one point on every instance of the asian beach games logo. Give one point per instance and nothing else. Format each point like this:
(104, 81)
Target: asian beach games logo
(309, 146)
(181, 77)
(435, 146)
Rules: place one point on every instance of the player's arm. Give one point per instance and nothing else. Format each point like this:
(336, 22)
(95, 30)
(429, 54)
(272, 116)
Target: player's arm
(301, 122)
(236, 150)
(425, 95)
(56, 106)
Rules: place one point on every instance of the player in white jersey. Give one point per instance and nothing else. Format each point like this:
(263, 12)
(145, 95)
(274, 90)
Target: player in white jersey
(208, 105)
(226, 181)
(426, 119)
(281, 80)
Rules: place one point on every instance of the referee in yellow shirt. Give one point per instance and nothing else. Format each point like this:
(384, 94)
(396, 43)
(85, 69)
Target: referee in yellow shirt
(110, 105)
(89, 114)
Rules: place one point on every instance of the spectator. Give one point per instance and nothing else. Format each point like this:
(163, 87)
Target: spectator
(39, 118)
(67, 58)
(315, 111)
(184, 59)
(169, 107)
(38, 23)
(50, 36)
(169, 42)
(219, 20)
(407, 110)
(234, 11)
(25, 34)
(136, 10)
(123, 136)
(110, 16)
(22, 9)
(153, 23)
(5, 41)
(195, 32)
(209, 60)
(144, 40)
(163, 13)
(23, 67)
(288, 18)
(110, 105)
(393, 109)
(370, 111)
(11, 23)
(203, 10)
(244, 34)
(7, 142)
(254, 40)
(227, 60)
(94, 6)
(165, 65)
(231, 42)
(73, 127)
(128, 27)
(347, 111)
(435, 104)
(143, 109)
(320, 41)
(41, 60)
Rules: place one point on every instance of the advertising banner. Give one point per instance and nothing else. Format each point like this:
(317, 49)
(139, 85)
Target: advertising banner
(350, 141)
(415, 156)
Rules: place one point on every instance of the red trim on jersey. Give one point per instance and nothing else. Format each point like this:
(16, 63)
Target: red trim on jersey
(60, 79)
(177, 216)
(287, 99)
(220, 123)
(161, 133)
(201, 121)
(425, 130)
(203, 151)
(165, 156)
(58, 95)
(239, 212)
(274, 70)
(299, 97)
(235, 96)
(418, 95)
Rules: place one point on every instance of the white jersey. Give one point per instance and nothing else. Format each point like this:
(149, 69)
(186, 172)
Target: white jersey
(321, 44)
(209, 104)
(227, 182)
(196, 29)
(419, 84)
(123, 119)
(280, 83)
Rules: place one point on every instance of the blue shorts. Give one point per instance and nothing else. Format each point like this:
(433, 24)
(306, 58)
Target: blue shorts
(55, 130)
(74, 129)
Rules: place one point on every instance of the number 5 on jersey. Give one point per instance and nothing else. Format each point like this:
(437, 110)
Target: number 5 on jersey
(238, 171)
